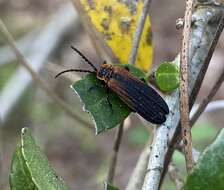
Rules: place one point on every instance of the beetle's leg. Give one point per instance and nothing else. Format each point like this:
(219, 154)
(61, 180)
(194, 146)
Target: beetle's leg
(143, 80)
(96, 86)
(104, 86)
(93, 88)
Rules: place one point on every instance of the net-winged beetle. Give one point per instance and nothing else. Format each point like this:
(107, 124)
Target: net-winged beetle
(139, 96)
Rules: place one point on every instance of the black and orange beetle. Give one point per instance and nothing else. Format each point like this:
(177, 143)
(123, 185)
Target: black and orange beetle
(139, 96)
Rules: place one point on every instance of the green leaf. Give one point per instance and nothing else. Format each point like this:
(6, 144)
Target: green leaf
(108, 186)
(42, 173)
(94, 97)
(30, 168)
(209, 171)
(167, 76)
(19, 177)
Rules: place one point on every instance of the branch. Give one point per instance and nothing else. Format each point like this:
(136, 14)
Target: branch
(113, 161)
(205, 23)
(212, 106)
(184, 100)
(36, 78)
(207, 99)
(175, 176)
(138, 32)
(137, 177)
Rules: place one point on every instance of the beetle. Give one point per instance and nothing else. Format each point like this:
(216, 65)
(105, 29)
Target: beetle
(134, 92)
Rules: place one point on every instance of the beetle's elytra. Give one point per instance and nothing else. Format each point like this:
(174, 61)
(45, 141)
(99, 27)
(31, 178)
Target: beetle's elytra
(139, 96)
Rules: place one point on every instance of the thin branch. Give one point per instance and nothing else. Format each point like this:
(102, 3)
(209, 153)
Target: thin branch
(175, 176)
(207, 99)
(36, 78)
(137, 177)
(184, 100)
(208, 57)
(113, 161)
(212, 106)
(138, 33)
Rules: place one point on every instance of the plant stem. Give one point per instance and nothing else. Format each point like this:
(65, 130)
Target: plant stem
(137, 177)
(113, 159)
(175, 176)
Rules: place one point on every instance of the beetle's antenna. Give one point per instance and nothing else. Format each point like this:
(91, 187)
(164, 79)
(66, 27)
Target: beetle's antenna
(74, 70)
(85, 58)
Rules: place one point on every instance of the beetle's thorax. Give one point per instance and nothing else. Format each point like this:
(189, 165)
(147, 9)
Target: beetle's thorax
(105, 72)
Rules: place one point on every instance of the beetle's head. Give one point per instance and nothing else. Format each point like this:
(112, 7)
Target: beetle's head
(104, 72)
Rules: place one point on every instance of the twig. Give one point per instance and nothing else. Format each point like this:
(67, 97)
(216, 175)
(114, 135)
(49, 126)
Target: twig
(138, 33)
(208, 57)
(207, 99)
(137, 177)
(212, 106)
(175, 176)
(113, 161)
(184, 100)
(36, 78)
(202, 35)
(206, 32)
